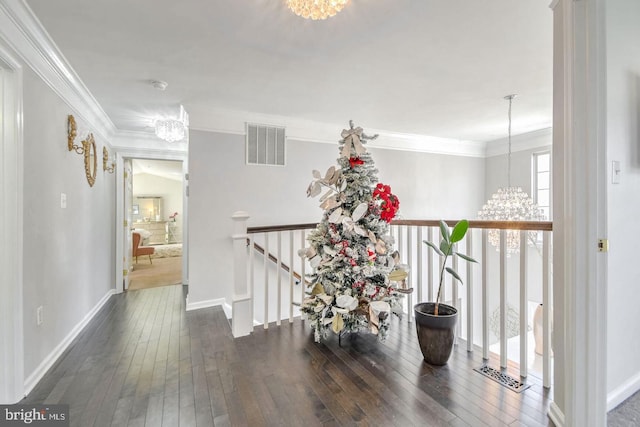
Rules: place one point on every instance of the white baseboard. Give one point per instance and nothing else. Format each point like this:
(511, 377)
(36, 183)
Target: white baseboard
(48, 362)
(205, 304)
(556, 415)
(623, 392)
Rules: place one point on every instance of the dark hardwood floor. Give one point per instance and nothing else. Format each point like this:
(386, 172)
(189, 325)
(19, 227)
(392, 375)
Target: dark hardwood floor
(144, 361)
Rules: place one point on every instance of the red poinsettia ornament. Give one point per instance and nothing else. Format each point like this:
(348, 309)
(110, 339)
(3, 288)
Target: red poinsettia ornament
(355, 161)
(387, 201)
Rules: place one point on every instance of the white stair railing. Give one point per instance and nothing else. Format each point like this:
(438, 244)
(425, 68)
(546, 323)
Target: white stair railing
(276, 285)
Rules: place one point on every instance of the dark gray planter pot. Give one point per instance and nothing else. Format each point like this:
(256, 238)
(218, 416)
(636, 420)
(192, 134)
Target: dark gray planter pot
(435, 333)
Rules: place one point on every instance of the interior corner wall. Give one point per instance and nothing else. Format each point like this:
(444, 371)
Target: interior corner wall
(521, 170)
(429, 186)
(69, 253)
(623, 204)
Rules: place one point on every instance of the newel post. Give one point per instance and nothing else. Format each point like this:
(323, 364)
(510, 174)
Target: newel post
(242, 317)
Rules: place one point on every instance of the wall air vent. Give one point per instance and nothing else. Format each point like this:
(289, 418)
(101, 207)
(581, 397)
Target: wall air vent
(265, 145)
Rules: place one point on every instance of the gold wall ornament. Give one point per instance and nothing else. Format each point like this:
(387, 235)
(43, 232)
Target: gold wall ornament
(72, 132)
(107, 164)
(90, 159)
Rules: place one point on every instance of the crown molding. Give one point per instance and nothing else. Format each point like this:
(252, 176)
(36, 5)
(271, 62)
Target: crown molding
(124, 140)
(23, 32)
(234, 122)
(525, 141)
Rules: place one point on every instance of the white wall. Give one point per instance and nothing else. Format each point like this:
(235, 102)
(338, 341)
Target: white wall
(169, 189)
(623, 144)
(521, 173)
(68, 253)
(220, 183)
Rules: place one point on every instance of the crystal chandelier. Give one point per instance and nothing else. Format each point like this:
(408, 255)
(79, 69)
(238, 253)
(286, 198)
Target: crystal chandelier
(316, 9)
(172, 130)
(510, 204)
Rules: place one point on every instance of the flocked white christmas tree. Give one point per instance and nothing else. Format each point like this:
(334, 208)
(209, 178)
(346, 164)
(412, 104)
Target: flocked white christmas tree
(357, 282)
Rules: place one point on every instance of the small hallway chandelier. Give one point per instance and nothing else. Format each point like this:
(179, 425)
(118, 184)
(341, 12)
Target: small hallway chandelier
(510, 204)
(173, 130)
(316, 9)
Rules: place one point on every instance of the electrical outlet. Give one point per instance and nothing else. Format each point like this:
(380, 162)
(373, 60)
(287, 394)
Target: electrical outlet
(63, 200)
(39, 318)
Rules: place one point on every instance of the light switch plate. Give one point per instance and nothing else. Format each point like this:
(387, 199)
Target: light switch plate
(63, 200)
(615, 172)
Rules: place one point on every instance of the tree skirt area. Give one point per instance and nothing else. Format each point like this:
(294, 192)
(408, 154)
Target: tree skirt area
(167, 251)
(163, 272)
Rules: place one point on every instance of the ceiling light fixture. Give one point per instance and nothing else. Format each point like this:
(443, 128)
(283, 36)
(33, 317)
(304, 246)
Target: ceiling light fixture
(173, 130)
(159, 84)
(316, 9)
(510, 204)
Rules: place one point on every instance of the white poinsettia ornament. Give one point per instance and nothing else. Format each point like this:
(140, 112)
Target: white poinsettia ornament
(351, 250)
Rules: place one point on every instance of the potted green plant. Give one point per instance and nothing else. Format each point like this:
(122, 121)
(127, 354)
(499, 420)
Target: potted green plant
(436, 321)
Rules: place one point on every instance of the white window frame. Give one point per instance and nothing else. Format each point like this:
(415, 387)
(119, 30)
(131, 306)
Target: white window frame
(535, 189)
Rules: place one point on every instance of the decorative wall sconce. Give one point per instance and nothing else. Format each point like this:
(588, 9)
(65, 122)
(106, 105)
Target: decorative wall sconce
(72, 132)
(88, 150)
(90, 159)
(108, 164)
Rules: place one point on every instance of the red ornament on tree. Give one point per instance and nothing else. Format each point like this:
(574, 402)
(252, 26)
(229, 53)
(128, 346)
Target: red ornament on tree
(354, 161)
(387, 202)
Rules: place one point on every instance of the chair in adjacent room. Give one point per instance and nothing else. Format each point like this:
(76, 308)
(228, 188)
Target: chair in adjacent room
(141, 250)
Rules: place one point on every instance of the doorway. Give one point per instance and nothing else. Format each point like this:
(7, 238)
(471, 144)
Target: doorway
(152, 207)
(156, 213)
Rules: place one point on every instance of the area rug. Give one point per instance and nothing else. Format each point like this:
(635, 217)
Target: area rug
(163, 272)
(166, 251)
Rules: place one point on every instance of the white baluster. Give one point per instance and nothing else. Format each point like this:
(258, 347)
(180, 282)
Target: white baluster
(454, 295)
(524, 304)
(266, 280)
(252, 278)
(485, 295)
(469, 284)
(291, 276)
(503, 299)
(279, 278)
(303, 265)
(430, 266)
(419, 272)
(546, 305)
(409, 281)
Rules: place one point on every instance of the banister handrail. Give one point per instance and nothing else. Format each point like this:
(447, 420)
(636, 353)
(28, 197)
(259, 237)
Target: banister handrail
(482, 224)
(287, 227)
(496, 225)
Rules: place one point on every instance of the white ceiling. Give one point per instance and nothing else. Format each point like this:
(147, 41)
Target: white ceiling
(429, 67)
(169, 169)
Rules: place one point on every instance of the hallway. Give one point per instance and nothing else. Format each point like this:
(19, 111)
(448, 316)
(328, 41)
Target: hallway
(143, 360)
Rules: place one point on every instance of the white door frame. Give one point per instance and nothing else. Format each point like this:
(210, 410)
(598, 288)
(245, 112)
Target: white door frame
(121, 154)
(127, 239)
(580, 200)
(11, 238)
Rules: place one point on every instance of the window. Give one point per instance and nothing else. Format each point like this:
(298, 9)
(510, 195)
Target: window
(542, 183)
(265, 145)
